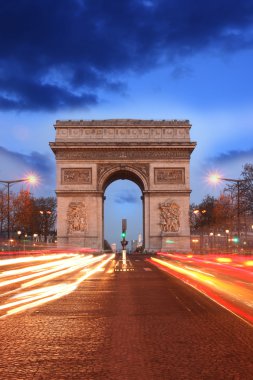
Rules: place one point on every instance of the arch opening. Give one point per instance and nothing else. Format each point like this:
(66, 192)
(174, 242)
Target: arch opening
(123, 200)
(122, 174)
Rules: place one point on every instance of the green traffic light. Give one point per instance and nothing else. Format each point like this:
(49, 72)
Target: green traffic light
(236, 239)
(123, 235)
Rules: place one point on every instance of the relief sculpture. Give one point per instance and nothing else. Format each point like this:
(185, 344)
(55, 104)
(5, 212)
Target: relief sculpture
(169, 217)
(77, 217)
(169, 176)
(76, 176)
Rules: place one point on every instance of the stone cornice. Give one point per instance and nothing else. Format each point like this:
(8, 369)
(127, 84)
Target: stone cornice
(121, 122)
(168, 191)
(79, 192)
(100, 145)
(115, 146)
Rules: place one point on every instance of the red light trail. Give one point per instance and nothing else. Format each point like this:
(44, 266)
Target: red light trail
(227, 280)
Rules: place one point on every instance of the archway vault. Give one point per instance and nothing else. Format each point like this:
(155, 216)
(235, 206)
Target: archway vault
(110, 173)
(155, 154)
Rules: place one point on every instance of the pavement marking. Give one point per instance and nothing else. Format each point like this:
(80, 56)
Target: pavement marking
(182, 303)
(147, 269)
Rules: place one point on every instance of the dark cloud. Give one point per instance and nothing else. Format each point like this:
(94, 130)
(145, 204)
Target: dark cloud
(234, 155)
(126, 197)
(34, 162)
(59, 54)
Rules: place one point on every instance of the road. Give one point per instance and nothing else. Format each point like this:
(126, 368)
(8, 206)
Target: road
(138, 324)
(227, 279)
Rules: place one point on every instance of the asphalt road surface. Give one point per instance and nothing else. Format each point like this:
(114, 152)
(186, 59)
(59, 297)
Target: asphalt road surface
(138, 324)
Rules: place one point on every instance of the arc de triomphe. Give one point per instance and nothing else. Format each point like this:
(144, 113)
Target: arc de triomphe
(155, 154)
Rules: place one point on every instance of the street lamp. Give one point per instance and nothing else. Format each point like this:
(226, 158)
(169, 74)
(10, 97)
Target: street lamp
(215, 178)
(227, 233)
(211, 234)
(31, 179)
(45, 214)
(199, 213)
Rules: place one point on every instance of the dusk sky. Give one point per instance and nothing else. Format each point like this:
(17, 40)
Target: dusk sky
(145, 59)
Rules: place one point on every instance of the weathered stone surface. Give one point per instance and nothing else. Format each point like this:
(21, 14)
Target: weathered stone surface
(155, 154)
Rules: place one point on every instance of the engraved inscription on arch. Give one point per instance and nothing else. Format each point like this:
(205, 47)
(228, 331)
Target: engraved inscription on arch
(76, 176)
(169, 176)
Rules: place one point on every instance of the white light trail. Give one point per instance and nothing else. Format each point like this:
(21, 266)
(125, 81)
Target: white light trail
(38, 296)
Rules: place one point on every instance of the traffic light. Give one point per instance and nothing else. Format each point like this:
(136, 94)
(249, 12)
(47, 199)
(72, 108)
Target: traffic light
(236, 239)
(124, 228)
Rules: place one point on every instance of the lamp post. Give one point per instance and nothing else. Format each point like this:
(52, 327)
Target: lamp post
(216, 178)
(45, 214)
(211, 234)
(227, 235)
(30, 179)
(19, 233)
(199, 213)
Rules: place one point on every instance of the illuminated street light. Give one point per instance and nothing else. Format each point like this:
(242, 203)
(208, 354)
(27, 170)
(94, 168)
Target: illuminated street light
(30, 179)
(199, 213)
(214, 178)
(227, 233)
(211, 234)
(196, 212)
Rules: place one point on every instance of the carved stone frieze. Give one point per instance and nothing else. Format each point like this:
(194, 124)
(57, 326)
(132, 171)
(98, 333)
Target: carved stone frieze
(127, 133)
(169, 217)
(169, 176)
(76, 176)
(77, 217)
(119, 155)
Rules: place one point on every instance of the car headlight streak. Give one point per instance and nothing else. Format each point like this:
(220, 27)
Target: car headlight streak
(80, 266)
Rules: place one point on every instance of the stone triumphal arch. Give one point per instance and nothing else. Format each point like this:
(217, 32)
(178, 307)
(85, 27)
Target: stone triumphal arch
(155, 154)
